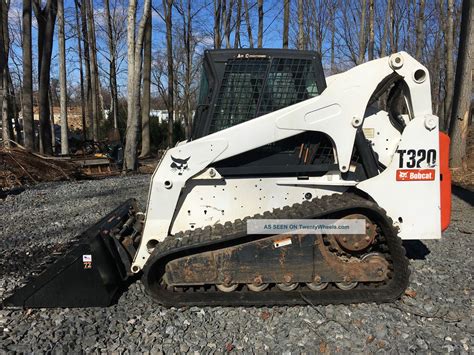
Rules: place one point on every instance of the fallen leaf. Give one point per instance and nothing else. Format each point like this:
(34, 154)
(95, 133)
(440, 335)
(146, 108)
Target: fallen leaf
(265, 315)
(229, 347)
(370, 339)
(323, 347)
(410, 293)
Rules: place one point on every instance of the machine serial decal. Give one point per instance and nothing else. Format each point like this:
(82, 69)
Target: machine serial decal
(411, 160)
(416, 158)
(179, 164)
(415, 174)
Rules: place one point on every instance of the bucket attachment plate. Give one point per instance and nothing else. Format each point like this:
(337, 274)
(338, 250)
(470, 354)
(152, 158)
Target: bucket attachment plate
(91, 272)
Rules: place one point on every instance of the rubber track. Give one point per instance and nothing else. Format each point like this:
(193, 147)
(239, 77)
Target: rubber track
(218, 236)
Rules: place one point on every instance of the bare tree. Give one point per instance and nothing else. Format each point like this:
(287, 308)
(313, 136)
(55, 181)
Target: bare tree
(227, 20)
(4, 49)
(112, 43)
(300, 25)
(249, 25)
(332, 20)
(135, 56)
(388, 16)
(393, 42)
(362, 33)
(94, 71)
(27, 89)
(371, 30)
(53, 130)
(189, 46)
(132, 125)
(81, 70)
(460, 117)
(286, 23)
(88, 85)
(238, 21)
(168, 8)
(145, 106)
(260, 24)
(420, 20)
(46, 19)
(449, 35)
(217, 23)
(62, 79)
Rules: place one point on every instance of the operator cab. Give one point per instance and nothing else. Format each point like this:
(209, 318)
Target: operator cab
(242, 84)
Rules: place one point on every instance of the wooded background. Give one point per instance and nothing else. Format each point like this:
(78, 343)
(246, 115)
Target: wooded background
(104, 64)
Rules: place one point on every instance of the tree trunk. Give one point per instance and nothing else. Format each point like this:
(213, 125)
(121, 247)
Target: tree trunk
(260, 24)
(249, 25)
(189, 64)
(168, 6)
(286, 23)
(371, 29)
(94, 72)
(81, 72)
(227, 21)
(393, 44)
(145, 107)
(460, 117)
(53, 130)
(46, 19)
(420, 38)
(4, 49)
(217, 24)
(14, 109)
(300, 25)
(333, 35)
(137, 76)
(238, 21)
(27, 90)
(62, 79)
(88, 86)
(113, 68)
(383, 45)
(362, 33)
(132, 124)
(448, 99)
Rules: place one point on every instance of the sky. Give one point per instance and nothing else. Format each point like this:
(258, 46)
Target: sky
(203, 26)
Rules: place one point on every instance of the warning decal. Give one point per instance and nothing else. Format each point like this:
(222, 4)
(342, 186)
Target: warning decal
(87, 261)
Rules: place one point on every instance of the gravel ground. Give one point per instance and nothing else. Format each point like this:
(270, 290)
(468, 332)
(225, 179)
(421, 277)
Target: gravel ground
(436, 314)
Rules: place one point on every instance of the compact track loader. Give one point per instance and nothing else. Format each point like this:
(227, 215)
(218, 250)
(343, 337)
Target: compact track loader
(273, 139)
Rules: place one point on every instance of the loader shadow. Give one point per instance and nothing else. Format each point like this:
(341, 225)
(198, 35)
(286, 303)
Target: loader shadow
(415, 249)
(464, 194)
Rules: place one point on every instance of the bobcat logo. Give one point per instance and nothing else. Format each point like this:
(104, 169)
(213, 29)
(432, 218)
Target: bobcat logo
(179, 164)
(403, 175)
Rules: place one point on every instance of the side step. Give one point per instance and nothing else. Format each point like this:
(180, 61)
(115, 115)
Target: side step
(91, 272)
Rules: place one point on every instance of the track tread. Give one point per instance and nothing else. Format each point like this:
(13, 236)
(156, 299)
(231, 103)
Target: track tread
(197, 239)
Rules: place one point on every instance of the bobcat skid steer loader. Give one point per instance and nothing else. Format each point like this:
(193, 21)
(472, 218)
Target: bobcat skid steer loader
(273, 139)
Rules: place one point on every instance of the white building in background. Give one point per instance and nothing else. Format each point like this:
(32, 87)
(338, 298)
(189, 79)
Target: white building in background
(162, 115)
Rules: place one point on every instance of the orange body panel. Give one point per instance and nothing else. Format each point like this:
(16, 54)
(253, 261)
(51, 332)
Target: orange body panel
(445, 180)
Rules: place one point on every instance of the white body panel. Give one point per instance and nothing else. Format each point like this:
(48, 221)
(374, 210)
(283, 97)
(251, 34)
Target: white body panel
(413, 205)
(338, 112)
(210, 202)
